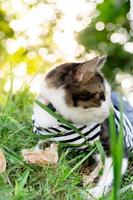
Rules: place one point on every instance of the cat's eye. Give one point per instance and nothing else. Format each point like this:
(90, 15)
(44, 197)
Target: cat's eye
(84, 96)
(102, 96)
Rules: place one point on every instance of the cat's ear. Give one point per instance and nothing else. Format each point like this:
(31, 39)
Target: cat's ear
(89, 68)
(101, 62)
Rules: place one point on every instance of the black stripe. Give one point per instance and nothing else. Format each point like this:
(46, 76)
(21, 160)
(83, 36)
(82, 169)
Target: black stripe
(55, 129)
(68, 140)
(116, 125)
(42, 129)
(79, 137)
(128, 125)
(119, 124)
(50, 105)
(65, 127)
(118, 121)
(47, 130)
(39, 128)
(94, 136)
(117, 117)
(116, 107)
(92, 129)
(128, 137)
(73, 140)
(72, 132)
(35, 131)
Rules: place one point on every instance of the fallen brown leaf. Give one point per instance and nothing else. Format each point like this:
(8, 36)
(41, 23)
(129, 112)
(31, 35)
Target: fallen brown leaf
(42, 157)
(2, 162)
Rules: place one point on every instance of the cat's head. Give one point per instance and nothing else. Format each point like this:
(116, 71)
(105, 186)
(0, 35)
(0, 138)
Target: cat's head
(83, 84)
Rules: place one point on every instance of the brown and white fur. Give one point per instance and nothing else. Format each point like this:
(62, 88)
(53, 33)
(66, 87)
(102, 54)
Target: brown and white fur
(69, 88)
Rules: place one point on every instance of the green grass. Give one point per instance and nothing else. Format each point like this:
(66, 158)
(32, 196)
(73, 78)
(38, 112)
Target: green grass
(23, 181)
(117, 154)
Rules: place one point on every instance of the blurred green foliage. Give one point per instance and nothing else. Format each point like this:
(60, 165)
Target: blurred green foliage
(113, 13)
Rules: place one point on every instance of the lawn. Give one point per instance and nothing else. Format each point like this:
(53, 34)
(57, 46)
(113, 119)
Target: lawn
(23, 181)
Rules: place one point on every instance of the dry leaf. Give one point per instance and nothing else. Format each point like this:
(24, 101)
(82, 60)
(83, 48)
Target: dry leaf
(2, 162)
(42, 157)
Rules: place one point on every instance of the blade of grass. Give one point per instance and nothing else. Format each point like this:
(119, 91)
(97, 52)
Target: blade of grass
(10, 93)
(12, 156)
(116, 142)
(126, 188)
(19, 186)
(78, 164)
(101, 150)
(24, 178)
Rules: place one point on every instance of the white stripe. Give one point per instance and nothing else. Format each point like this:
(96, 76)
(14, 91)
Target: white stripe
(79, 141)
(83, 147)
(65, 137)
(43, 132)
(125, 133)
(34, 129)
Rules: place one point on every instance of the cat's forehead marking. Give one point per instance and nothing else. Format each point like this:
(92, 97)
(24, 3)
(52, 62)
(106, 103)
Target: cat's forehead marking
(61, 74)
(71, 73)
(76, 88)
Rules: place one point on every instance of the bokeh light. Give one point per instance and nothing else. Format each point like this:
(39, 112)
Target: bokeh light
(100, 26)
(42, 34)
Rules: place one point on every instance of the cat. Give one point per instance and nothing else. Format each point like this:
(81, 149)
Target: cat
(80, 93)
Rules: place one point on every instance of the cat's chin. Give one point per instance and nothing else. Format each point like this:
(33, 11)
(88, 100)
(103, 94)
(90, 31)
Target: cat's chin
(90, 115)
(77, 114)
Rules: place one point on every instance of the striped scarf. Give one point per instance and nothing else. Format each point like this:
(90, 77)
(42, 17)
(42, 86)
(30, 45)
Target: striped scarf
(64, 134)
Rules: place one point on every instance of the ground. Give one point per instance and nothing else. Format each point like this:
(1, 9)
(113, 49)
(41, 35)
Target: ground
(23, 181)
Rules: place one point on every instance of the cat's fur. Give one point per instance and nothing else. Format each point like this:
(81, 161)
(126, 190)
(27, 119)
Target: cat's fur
(79, 92)
(62, 87)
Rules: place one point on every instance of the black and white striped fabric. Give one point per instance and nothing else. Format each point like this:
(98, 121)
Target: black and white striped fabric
(64, 134)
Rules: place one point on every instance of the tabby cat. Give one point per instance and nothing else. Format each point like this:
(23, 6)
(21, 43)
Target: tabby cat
(80, 93)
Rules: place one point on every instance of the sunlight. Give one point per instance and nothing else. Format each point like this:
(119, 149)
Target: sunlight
(17, 84)
(1, 74)
(33, 33)
(100, 26)
(67, 44)
(80, 7)
(32, 22)
(41, 14)
(20, 70)
(126, 81)
(129, 47)
(12, 45)
(120, 38)
(35, 83)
